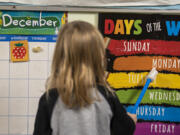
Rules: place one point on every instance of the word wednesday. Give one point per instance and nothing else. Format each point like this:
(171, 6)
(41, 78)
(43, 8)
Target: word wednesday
(164, 96)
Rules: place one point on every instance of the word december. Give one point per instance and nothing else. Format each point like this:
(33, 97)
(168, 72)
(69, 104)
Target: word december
(9, 21)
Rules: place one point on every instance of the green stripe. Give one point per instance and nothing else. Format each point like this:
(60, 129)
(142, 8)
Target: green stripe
(152, 96)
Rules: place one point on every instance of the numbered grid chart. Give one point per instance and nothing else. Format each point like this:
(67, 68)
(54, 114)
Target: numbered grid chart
(21, 85)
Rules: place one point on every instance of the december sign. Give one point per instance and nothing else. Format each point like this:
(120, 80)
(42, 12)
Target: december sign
(9, 21)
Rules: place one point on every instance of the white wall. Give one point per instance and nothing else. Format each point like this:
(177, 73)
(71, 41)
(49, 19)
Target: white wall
(88, 17)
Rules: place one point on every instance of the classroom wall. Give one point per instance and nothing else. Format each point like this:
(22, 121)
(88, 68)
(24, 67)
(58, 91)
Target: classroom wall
(21, 84)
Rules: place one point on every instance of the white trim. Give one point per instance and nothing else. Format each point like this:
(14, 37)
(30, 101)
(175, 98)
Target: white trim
(86, 9)
(94, 3)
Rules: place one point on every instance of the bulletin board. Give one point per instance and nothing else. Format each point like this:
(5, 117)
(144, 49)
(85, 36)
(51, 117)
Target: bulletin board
(136, 44)
(152, 40)
(22, 81)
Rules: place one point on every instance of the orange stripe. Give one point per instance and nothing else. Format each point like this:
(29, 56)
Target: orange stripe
(134, 63)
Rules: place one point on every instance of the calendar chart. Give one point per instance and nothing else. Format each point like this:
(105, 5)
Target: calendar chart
(26, 49)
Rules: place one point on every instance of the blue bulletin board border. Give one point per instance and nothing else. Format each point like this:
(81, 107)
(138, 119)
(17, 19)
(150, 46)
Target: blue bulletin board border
(32, 38)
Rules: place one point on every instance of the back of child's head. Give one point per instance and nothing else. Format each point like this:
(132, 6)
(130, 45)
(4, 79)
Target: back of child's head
(78, 63)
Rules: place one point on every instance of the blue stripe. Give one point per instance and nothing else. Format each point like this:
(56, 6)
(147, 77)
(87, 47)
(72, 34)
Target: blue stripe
(33, 38)
(159, 113)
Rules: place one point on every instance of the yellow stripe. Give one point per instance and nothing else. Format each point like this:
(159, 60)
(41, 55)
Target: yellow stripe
(128, 80)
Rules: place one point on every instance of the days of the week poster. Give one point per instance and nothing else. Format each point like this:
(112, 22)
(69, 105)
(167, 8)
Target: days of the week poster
(135, 44)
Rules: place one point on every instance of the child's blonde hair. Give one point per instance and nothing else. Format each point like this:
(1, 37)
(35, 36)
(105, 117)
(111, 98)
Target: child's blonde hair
(78, 63)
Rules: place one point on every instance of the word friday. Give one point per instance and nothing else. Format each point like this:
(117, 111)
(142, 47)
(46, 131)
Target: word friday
(162, 128)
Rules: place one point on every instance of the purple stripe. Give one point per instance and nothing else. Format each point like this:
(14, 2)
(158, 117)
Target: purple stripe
(157, 128)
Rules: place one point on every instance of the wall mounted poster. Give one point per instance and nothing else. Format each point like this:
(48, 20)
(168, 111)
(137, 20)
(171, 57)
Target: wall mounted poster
(136, 44)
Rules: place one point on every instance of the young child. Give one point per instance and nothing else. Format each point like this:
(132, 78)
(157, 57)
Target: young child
(78, 100)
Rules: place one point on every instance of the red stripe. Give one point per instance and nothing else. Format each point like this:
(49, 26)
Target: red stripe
(156, 47)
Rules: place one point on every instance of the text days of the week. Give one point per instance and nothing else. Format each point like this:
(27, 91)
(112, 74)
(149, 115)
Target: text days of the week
(128, 27)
